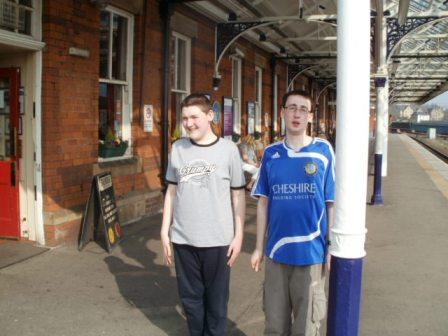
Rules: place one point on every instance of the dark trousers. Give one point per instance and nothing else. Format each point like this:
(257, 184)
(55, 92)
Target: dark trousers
(203, 283)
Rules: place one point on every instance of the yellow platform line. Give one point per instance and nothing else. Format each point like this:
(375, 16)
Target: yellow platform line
(440, 182)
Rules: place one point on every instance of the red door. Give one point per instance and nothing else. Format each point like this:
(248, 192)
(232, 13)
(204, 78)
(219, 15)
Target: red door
(9, 157)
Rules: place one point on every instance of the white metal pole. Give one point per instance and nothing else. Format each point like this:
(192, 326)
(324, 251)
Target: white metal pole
(348, 232)
(382, 94)
(353, 83)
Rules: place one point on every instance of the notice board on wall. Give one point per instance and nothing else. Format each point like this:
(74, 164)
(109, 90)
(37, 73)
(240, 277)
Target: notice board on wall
(227, 111)
(100, 220)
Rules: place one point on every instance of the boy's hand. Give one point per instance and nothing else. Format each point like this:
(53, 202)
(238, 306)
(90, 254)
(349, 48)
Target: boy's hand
(328, 262)
(234, 250)
(166, 244)
(256, 260)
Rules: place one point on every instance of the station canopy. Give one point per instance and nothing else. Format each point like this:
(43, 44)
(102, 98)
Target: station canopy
(303, 34)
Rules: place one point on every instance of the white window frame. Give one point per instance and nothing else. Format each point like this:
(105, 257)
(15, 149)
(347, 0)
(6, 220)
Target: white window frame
(17, 6)
(126, 84)
(32, 41)
(237, 92)
(258, 98)
(187, 90)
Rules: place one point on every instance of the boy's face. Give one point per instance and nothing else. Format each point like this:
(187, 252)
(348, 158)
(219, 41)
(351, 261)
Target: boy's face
(196, 122)
(297, 114)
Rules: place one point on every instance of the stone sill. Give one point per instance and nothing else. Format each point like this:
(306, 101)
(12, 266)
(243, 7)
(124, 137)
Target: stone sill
(123, 167)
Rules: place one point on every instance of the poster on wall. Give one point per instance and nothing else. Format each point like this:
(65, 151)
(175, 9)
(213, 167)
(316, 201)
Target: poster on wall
(2, 99)
(148, 118)
(22, 100)
(216, 107)
(250, 117)
(227, 111)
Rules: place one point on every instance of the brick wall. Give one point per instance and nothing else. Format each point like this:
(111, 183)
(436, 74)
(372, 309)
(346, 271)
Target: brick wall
(69, 102)
(70, 108)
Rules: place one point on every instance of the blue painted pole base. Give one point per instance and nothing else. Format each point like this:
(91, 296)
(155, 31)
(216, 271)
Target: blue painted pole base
(344, 297)
(377, 198)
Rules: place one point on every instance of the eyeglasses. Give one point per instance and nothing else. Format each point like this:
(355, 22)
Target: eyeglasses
(294, 108)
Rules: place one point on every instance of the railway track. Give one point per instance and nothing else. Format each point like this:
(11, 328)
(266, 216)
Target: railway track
(441, 154)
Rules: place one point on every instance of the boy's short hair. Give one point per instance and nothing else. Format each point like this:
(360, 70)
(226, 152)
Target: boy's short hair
(302, 93)
(197, 99)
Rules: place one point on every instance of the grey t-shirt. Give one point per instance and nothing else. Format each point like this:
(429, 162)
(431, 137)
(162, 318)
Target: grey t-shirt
(204, 175)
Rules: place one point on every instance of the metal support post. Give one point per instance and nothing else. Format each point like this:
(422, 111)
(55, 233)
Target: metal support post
(347, 235)
(377, 198)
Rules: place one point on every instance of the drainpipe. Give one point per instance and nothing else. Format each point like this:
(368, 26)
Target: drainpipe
(166, 11)
(143, 68)
(274, 97)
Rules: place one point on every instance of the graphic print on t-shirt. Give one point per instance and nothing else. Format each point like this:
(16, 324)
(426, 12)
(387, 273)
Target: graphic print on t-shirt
(196, 172)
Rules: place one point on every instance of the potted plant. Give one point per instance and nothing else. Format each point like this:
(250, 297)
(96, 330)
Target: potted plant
(235, 137)
(112, 145)
(177, 134)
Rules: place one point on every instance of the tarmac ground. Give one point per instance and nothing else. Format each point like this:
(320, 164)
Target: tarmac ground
(64, 292)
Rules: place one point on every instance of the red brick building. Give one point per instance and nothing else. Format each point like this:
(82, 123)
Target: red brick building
(86, 71)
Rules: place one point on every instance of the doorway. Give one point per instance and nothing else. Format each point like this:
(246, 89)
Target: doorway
(10, 149)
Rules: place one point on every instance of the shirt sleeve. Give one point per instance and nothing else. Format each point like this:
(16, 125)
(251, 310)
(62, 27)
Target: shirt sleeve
(329, 183)
(171, 176)
(261, 187)
(237, 180)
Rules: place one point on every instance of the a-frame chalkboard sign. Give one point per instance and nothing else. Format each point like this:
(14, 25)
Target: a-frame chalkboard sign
(100, 221)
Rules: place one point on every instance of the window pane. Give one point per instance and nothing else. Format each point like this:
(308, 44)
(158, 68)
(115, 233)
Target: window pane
(26, 2)
(25, 21)
(235, 75)
(8, 17)
(110, 111)
(172, 62)
(5, 125)
(177, 129)
(181, 65)
(257, 86)
(119, 50)
(104, 44)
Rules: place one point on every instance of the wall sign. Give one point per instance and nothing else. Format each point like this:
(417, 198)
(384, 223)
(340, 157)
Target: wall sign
(227, 111)
(148, 118)
(250, 117)
(100, 220)
(216, 107)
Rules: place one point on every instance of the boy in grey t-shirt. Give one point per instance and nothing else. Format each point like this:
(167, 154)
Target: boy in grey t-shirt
(205, 179)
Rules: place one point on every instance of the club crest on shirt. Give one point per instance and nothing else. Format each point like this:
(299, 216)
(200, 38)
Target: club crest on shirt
(311, 168)
(196, 171)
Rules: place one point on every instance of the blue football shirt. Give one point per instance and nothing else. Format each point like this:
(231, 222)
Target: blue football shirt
(297, 184)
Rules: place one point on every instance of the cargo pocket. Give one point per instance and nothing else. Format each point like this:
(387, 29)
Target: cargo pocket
(319, 306)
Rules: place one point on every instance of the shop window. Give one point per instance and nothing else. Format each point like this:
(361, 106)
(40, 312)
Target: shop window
(115, 91)
(180, 80)
(258, 98)
(16, 16)
(236, 93)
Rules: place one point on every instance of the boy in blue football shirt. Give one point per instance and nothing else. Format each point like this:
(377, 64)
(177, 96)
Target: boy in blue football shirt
(295, 191)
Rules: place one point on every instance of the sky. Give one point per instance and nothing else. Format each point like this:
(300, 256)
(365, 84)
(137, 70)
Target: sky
(441, 100)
